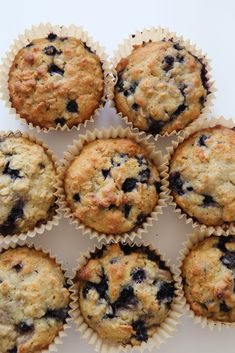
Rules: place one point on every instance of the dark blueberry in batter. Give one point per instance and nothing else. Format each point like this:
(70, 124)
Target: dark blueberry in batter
(76, 197)
(126, 299)
(202, 100)
(57, 314)
(9, 226)
(168, 61)
(110, 314)
(88, 286)
(201, 141)
(51, 50)
(181, 108)
(51, 37)
(113, 261)
(138, 275)
(13, 350)
(131, 89)
(13, 173)
(222, 241)
(112, 206)
(155, 126)
(223, 307)
(129, 184)
(54, 69)
(60, 121)
(41, 166)
(208, 201)
(141, 218)
(72, 106)
(29, 45)
(18, 267)
(144, 175)
(141, 160)
(23, 327)
(62, 39)
(158, 186)
(176, 183)
(180, 58)
(177, 46)
(105, 172)
(141, 331)
(126, 210)
(135, 106)
(189, 188)
(102, 287)
(166, 292)
(228, 259)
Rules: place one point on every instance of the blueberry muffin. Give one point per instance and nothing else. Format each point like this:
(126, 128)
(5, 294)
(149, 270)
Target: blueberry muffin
(112, 186)
(56, 80)
(161, 86)
(27, 185)
(34, 300)
(202, 176)
(125, 293)
(208, 273)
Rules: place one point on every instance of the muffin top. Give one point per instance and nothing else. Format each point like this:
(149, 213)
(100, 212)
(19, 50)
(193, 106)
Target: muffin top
(202, 175)
(125, 293)
(33, 300)
(27, 185)
(112, 186)
(56, 80)
(208, 273)
(161, 86)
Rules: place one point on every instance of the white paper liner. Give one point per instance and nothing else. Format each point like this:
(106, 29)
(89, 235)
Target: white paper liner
(199, 124)
(156, 34)
(164, 331)
(53, 347)
(55, 219)
(75, 149)
(42, 31)
(192, 240)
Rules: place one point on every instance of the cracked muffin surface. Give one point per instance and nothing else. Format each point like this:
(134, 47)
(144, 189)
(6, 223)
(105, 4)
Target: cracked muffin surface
(208, 273)
(125, 293)
(56, 80)
(202, 175)
(34, 300)
(27, 185)
(161, 87)
(112, 186)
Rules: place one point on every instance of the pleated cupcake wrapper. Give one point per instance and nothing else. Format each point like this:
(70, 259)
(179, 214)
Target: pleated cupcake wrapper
(163, 332)
(157, 34)
(56, 217)
(74, 151)
(42, 31)
(193, 239)
(53, 347)
(201, 123)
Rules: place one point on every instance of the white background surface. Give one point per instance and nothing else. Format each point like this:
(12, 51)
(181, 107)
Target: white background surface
(209, 24)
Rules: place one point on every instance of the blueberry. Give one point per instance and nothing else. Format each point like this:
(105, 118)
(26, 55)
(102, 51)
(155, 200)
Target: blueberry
(102, 287)
(144, 175)
(18, 267)
(41, 165)
(177, 46)
(12, 350)
(51, 50)
(228, 260)
(117, 160)
(131, 89)
(166, 292)
(155, 126)
(202, 100)
(138, 275)
(189, 188)
(76, 197)
(87, 287)
(141, 160)
(110, 314)
(57, 314)
(180, 58)
(223, 307)
(208, 201)
(9, 226)
(129, 184)
(126, 299)
(23, 327)
(62, 39)
(141, 218)
(181, 108)
(72, 106)
(140, 331)
(105, 172)
(54, 69)
(126, 210)
(112, 206)
(222, 242)
(29, 45)
(201, 141)
(135, 106)
(114, 260)
(176, 183)
(13, 173)
(51, 37)
(158, 186)
(60, 121)
(168, 63)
